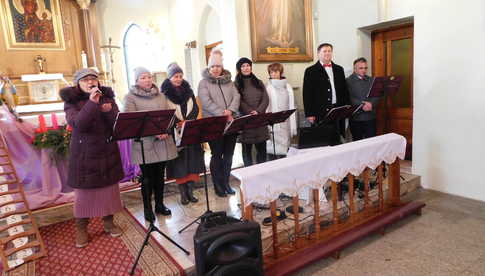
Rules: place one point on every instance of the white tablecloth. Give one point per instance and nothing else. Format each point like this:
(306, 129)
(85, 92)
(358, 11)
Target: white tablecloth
(264, 182)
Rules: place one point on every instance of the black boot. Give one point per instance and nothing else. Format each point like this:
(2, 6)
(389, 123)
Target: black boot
(220, 190)
(183, 193)
(146, 193)
(229, 190)
(160, 208)
(190, 191)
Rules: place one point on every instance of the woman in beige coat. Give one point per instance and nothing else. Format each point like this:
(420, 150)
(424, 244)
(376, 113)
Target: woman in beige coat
(145, 96)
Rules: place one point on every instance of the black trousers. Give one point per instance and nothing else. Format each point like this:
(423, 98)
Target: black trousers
(247, 150)
(362, 129)
(221, 160)
(153, 182)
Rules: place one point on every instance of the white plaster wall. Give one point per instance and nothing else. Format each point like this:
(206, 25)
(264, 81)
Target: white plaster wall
(114, 17)
(449, 66)
(338, 23)
(212, 28)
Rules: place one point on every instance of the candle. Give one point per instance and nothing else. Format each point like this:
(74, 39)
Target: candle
(84, 59)
(54, 121)
(103, 63)
(42, 125)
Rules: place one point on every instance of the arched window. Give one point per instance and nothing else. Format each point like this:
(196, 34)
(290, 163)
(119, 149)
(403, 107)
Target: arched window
(136, 45)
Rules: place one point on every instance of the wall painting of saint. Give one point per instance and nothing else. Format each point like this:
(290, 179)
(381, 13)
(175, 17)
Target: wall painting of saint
(32, 24)
(281, 30)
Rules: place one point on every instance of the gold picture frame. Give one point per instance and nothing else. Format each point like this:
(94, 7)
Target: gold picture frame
(281, 30)
(32, 24)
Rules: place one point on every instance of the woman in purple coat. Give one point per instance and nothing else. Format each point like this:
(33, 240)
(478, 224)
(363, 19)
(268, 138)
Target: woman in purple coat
(94, 162)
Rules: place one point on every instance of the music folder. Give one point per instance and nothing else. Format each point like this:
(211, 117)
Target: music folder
(201, 130)
(280, 116)
(342, 112)
(382, 85)
(137, 124)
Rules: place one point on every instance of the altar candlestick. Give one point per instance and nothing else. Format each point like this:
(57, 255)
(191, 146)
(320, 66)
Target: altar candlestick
(84, 59)
(103, 62)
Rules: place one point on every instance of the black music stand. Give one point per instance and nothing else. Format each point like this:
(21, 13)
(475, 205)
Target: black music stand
(276, 118)
(384, 85)
(197, 132)
(341, 112)
(135, 125)
(248, 122)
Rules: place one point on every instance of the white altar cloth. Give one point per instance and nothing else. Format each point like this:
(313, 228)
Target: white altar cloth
(263, 183)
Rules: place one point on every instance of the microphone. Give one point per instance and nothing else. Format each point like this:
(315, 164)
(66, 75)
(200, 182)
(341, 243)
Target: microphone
(97, 90)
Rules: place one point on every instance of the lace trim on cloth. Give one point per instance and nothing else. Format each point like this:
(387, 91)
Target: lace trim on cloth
(264, 182)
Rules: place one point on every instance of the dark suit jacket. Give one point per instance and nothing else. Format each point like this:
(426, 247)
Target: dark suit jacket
(317, 90)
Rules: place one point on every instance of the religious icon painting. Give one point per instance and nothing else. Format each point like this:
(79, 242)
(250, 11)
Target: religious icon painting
(32, 24)
(281, 30)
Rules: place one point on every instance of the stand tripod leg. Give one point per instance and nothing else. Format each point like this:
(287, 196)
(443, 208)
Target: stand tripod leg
(188, 225)
(274, 145)
(208, 211)
(170, 240)
(145, 242)
(152, 228)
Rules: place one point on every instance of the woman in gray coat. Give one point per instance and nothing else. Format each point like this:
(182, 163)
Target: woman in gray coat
(254, 100)
(219, 97)
(145, 96)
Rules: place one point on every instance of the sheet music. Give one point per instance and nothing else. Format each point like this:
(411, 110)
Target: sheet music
(15, 230)
(5, 199)
(7, 208)
(14, 263)
(13, 219)
(19, 242)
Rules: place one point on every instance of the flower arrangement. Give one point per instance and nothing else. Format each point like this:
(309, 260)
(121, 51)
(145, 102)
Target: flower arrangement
(56, 137)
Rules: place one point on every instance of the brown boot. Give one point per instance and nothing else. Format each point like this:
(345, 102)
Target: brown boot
(110, 226)
(82, 237)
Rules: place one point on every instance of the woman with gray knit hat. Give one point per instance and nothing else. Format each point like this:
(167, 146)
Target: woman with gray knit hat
(254, 100)
(190, 161)
(94, 162)
(145, 95)
(219, 97)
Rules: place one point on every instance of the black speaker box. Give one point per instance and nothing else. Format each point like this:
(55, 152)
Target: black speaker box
(227, 246)
(318, 136)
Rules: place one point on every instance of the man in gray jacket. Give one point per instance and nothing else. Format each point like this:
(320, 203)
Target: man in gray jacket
(363, 124)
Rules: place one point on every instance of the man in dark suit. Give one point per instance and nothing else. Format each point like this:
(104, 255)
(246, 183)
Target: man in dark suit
(324, 87)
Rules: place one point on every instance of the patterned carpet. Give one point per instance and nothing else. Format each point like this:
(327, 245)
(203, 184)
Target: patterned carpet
(103, 256)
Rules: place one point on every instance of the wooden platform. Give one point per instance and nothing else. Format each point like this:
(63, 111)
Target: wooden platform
(316, 249)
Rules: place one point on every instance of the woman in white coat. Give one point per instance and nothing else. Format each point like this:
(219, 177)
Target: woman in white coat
(281, 97)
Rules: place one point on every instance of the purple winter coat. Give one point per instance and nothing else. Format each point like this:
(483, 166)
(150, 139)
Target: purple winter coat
(93, 161)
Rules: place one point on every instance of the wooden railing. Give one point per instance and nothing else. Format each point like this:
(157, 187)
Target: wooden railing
(323, 241)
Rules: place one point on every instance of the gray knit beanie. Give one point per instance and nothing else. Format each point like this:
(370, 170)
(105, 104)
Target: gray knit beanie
(140, 70)
(82, 73)
(215, 58)
(172, 69)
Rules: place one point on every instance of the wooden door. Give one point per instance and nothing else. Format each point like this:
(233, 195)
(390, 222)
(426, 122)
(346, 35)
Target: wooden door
(392, 54)
(208, 49)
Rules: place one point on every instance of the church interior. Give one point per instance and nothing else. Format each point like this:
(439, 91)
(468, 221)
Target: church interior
(410, 201)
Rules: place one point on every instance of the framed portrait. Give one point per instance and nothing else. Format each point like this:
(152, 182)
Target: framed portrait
(281, 30)
(32, 24)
